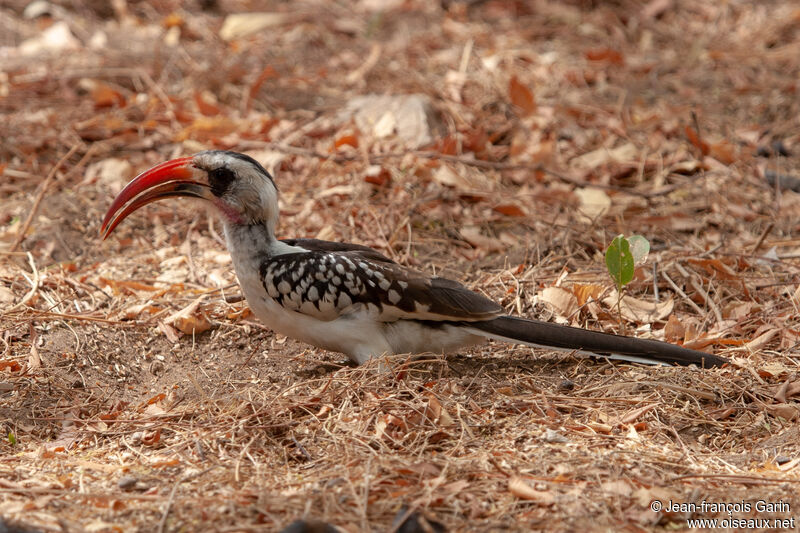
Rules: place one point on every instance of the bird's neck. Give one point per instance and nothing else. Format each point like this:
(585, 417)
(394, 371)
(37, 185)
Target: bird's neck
(253, 240)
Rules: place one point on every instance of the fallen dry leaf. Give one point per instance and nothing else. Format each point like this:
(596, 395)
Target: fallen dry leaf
(437, 413)
(608, 55)
(674, 330)
(784, 410)
(190, 320)
(594, 203)
(586, 291)
(617, 487)
(521, 96)
(640, 311)
(520, 488)
(172, 334)
(621, 154)
(510, 210)
(240, 25)
(448, 177)
(561, 301)
(761, 341)
(473, 235)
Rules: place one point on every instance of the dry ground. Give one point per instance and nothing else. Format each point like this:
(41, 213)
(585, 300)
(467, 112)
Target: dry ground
(560, 125)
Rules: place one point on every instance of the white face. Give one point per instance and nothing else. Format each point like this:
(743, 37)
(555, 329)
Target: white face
(244, 190)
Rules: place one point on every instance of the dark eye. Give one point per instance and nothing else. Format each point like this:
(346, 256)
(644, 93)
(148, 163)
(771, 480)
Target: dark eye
(220, 179)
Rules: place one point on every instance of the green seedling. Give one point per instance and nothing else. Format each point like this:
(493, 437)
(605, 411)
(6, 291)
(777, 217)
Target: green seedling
(622, 256)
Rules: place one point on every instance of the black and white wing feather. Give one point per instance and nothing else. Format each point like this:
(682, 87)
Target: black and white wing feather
(330, 280)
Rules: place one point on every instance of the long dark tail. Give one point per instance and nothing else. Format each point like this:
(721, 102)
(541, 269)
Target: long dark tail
(548, 335)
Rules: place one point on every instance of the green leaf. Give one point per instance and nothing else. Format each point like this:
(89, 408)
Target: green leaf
(640, 247)
(12, 439)
(619, 261)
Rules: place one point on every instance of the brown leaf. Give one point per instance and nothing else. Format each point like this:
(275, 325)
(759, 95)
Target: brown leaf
(456, 486)
(118, 285)
(621, 154)
(134, 311)
(445, 175)
(608, 55)
(104, 95)
(510, 210)
(724, 152)
(438, 414)
(157, 398)
(349, 139)
(473, 235)
(447, 145)
(599, 427)
(761, 341)
(520, 488)
(521, 96)
(269, 72)
(631, 416)
(12, 366)
(207, 129)
(783, 410)
(377, 175)
(172, 334)
(561, 301)
(640, 311)
(34, 361)
(173, 20)
(192, 324)
(674, 330)
(715, 268)
(593, 203)
(618, 487)
(584, 291)
(151, 438)
(205, 105)
(190, 320)
(696, 141)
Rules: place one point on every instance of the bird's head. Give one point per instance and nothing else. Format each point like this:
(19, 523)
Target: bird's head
(235, 184)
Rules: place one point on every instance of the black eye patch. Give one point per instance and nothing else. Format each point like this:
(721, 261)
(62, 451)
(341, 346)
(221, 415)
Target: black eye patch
(220, 179)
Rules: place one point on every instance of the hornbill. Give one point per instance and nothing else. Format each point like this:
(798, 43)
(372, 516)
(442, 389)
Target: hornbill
(350, 298)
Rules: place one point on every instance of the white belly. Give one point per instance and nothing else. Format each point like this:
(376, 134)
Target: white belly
(359, 332)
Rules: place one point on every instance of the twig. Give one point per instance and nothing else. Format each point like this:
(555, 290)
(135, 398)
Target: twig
(39, 196)
(655, 281)
(760, 240)
(682, 294)
(708, 300)
(82, 317)
(34, 284)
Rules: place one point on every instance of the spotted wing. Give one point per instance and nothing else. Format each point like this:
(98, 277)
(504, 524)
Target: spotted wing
(332, 280)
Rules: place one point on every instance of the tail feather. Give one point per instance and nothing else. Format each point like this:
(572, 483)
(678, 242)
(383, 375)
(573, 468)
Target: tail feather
(548, 335)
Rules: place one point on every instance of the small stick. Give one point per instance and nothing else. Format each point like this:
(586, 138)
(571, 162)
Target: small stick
(761, 239)
(655, 280)
(34, 284)
(682, 294)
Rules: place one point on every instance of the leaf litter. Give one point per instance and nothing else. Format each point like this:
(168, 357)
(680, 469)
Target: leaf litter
(139, 393)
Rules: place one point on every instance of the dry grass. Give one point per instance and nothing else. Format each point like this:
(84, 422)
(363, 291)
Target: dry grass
(117, 421)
